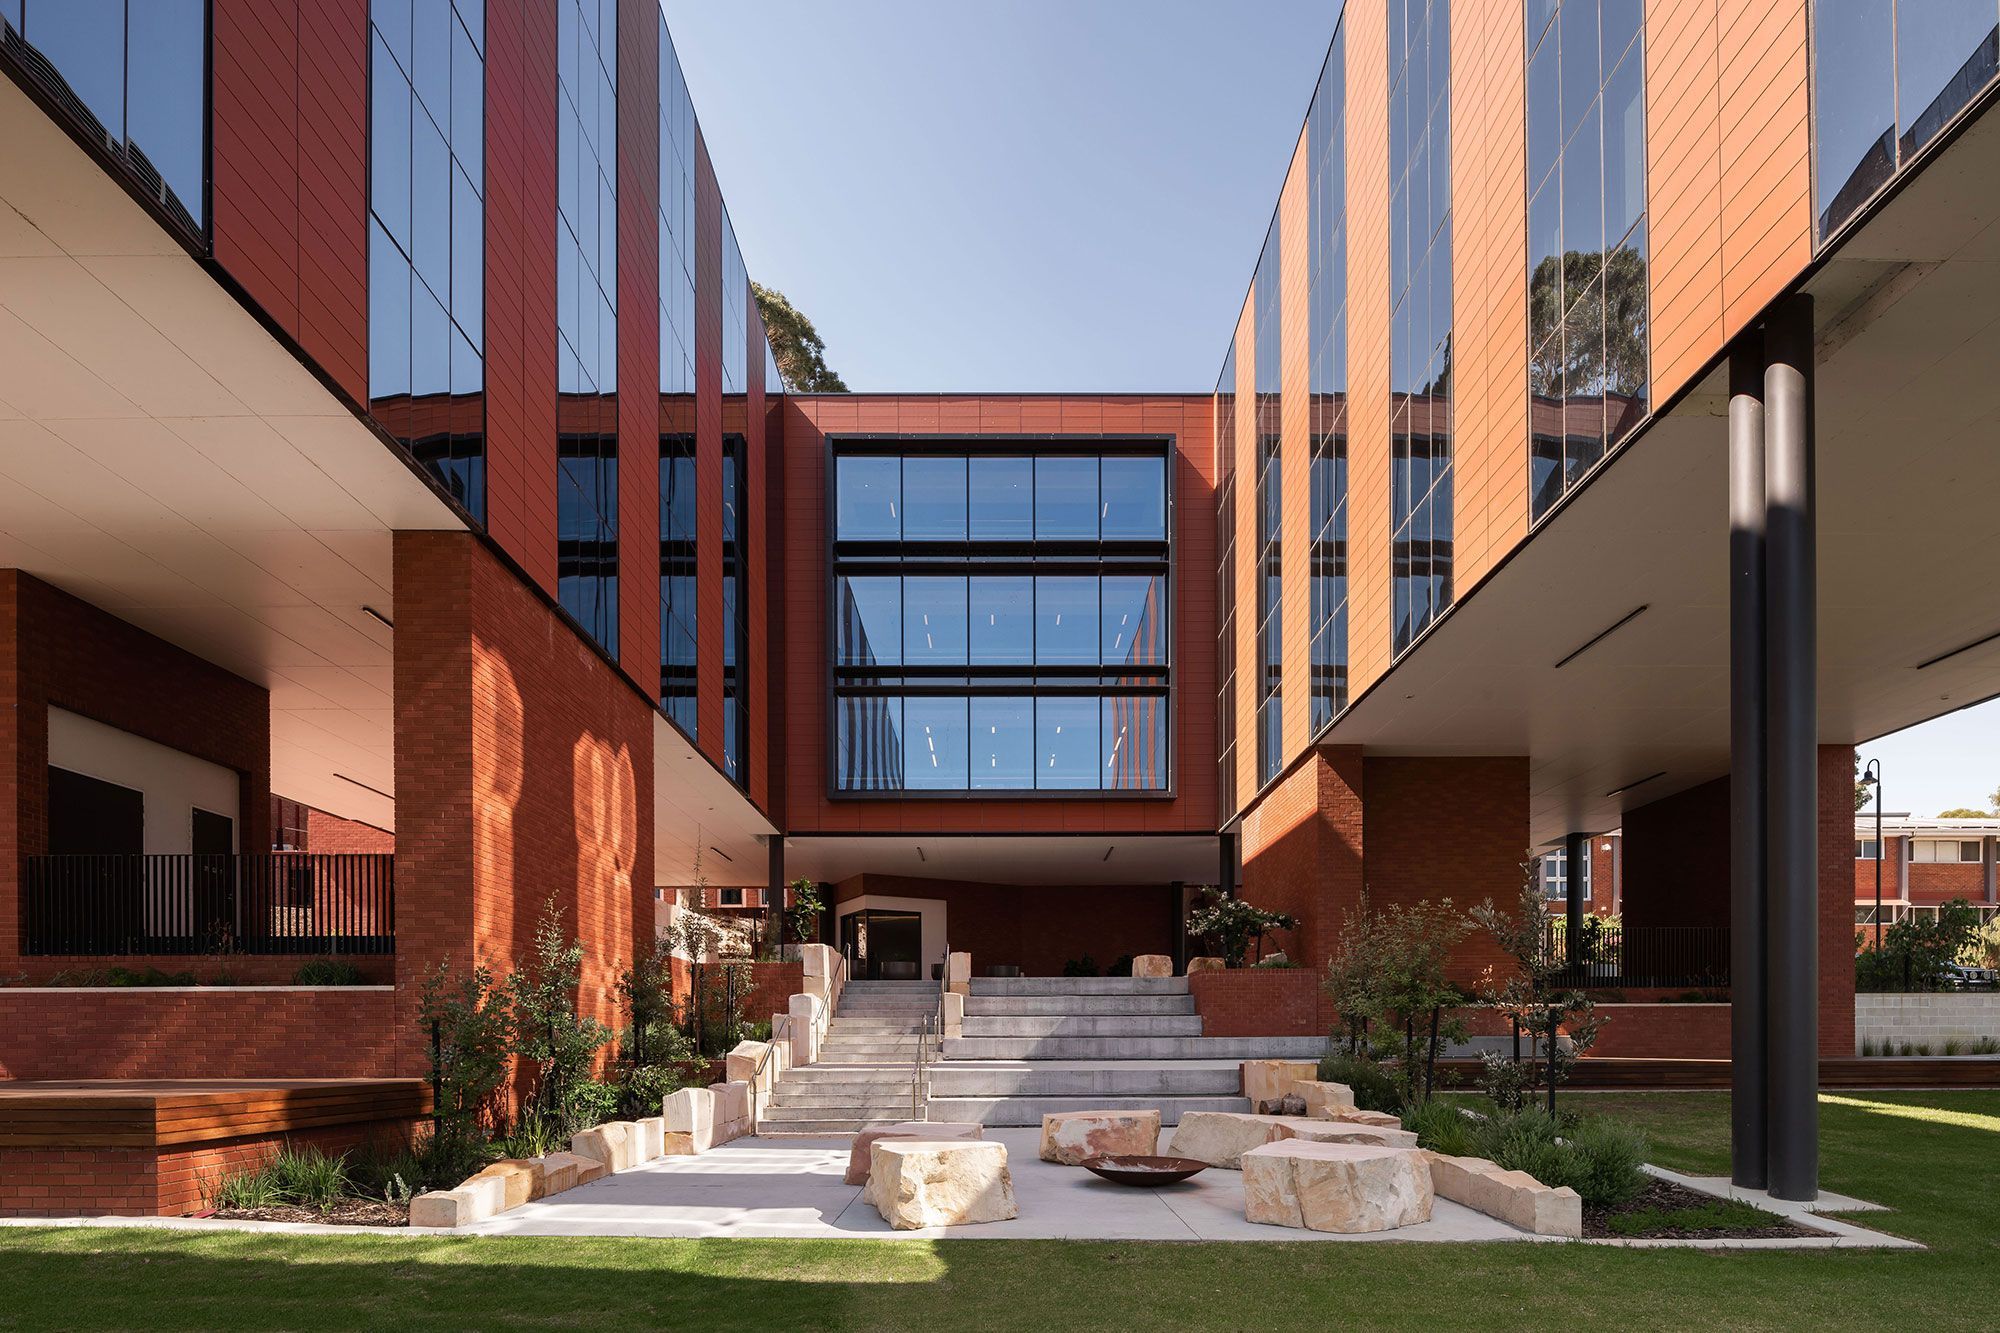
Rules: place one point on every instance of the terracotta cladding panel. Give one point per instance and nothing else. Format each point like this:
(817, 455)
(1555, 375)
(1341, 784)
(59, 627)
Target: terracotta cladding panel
(1247, 669)
(1295, 427)
(1368, 614)
(1489, 238)
(639, 342)
(521, 283)
(800, 444)
(708, 451)
(1684, 184)
(333, 196)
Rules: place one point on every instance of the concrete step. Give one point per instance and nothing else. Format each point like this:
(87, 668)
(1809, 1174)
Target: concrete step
(870, 1023)
(1003, 1111)
(841, 1098)
(1185, 1078)
(868, 1053)
(986, 986)
(846, 1075)
(890, 988)
(1092, 1025)
(999, 1006)
(1132, 1048)
(829, 1128)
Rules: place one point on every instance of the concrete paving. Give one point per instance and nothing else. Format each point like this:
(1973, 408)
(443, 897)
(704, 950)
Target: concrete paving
(791, 1187)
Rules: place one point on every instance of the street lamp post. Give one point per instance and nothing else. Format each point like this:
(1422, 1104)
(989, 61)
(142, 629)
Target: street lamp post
(1872, 777)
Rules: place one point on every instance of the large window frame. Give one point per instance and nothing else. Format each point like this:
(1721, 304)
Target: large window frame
(853, 687)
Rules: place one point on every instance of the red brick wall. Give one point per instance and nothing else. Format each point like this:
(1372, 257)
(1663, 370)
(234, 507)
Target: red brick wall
(523, 770)
(1677, 859)
(1663, 1031)
(772, 987)
(339, 1032)
(808, 419)
(1303, 854)
(331, 833)
(1836, 903)
(59, 652)
(639, 341)
(1260, 1002)
(1034, 927)
(164, 1182)
(289, 192)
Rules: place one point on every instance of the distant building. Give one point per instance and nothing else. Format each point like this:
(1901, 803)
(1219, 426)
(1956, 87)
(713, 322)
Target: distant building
(1928, 862)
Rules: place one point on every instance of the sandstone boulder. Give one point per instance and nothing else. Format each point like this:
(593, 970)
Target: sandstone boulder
(1069, 1138)
(1343, 1131)
(1324, 1100)
(1220, 1138)
(565, 1171)
(1354, 1116)
(1515, 1197)
(861, 1156)
(690, 1122)
(1206, 964)
(1339, 1187)
(1268, 1082)
(652, 1137)
(611, 1143)
(917, 1183)
(1152, 965)
(521, 1179)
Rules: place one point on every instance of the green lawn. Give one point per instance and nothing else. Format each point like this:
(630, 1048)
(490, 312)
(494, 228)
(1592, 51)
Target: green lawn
(1934, 1157)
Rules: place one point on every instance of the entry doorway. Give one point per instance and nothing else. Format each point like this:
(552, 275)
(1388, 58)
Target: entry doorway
(882, 945)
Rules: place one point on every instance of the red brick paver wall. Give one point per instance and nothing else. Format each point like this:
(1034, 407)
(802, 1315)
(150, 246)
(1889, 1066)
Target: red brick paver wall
(1035, 927)
(1260, 1002)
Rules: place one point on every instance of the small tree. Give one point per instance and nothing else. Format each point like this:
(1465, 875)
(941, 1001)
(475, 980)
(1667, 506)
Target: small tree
(1390, 968)
(1231, 926)
(558, 1043)
(467, 1025)
(1917, 952)
(651, 1049)
(1533, 999)
(802, 913)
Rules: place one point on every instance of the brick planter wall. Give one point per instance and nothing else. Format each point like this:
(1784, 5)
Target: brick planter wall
(1259, 1002)
(1663, 1032)
(163, 1032)
(242, 969)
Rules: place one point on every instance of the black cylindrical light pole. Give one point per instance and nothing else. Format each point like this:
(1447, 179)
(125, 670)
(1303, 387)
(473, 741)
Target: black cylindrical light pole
(1872, 776)
(1749, 1090)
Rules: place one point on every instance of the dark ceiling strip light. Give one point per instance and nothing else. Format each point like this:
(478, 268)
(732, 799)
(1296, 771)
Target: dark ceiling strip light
(1962, 648)
(1108, 851)
(1637, 782)
(920, 855)
(719, 852)
(1604, 634)
(365, 787)
(379, 616)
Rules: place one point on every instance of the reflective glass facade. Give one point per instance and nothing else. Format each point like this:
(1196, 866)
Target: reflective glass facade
(679, 553)
(1888, 75)
(427, 237)
(129, 75)
(1000, 617)
(1420, 286)
(735, 487)
(1326, 278)
(1587, 303)
(1225, 585)
(678, 566)
(1268, 314)
(587, 314)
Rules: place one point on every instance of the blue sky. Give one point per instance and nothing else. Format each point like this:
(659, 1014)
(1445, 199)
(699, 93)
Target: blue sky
(1050, 195)
(1005, 194)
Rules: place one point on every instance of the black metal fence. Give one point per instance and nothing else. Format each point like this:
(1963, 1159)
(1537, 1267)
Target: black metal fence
(257, 903)
(1644, 956)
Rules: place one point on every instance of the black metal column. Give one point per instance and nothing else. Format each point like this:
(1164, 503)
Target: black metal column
(1576, 854)
(1791, 670)
(774, 897)
(1748, 1082)
(1225, 882)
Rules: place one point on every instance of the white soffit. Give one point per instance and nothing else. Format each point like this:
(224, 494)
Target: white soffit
(1078, 861)
(165, 458)
(698, 813)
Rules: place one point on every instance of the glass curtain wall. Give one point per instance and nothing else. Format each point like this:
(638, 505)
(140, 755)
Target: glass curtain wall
(735, 486)
(1268, 326)
(427, 238)
(587, 315)
(679, 562)
(1326, 136)
(1000, 618)
(131, 77)
(1587, 305)
(1225, 585)
(1420, 287)
(1888, 76)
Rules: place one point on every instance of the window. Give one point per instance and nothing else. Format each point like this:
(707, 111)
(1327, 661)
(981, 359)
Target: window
(678, 595)
(1931, 850)
(1225, 587)
(1889, 76)
(427, 238)
(729, 897)
(587, 535)
(587, 286)
(1420, 288)
(1587, 303)
(677, 240)
(1555, 876)
(1865, 850)
(1000, 618)
(131, 78)
(735, 610)
(1268, 317)
(1326, 293)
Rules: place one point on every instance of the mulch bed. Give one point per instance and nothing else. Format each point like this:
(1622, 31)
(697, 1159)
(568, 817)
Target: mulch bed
(1666, 1196)
(348, 1212)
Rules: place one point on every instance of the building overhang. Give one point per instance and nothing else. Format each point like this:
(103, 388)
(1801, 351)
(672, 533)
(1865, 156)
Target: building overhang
(1079, 860)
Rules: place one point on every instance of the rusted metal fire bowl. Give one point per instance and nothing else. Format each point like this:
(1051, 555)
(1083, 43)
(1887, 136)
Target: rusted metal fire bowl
(1144, 1172)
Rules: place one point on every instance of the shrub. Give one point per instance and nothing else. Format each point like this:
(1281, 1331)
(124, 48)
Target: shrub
(550, 1035)
(644, 1087)
(327, 972)
(1373, 1087)
(1085, 966)
(1442, 1127)
(308, 1177)
(152, 976)
(1232, 925)
(1611, 1153)
(1598, 1158)
(465, 1023)
(1916, 952)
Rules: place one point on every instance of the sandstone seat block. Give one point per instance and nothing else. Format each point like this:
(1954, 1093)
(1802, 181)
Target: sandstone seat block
(1220, 1138)
(565, 1171)
(1268, 1082)
(690, 1117)
(1357, 1117)
(521, 1179)
(1152, 965)
(441, 1208)
(1206, 964)
(917, 1183)
(1324, 1100)
(1338, 1187)
(860, 1156)
(606, 1143)
(1342, 1131)
(1514, 1197)
(1069, 1138)
(652, 1137)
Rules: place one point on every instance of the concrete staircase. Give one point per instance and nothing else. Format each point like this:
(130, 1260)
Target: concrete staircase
(1035, 1045)
(862, 1076)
